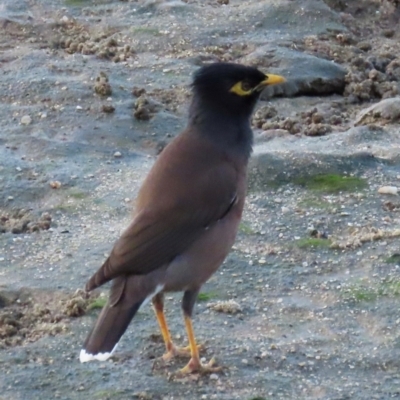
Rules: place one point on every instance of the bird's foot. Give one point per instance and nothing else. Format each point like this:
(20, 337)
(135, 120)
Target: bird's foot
(195, 365)
(175, 351)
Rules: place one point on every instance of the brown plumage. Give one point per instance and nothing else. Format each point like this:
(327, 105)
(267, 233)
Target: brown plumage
(187, 211)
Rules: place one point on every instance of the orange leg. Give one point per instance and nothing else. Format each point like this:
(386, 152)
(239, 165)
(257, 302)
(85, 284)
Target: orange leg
(195, 365)
(172, 350)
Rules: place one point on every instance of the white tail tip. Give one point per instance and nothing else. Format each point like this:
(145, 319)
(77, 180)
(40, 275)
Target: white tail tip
(86, 357)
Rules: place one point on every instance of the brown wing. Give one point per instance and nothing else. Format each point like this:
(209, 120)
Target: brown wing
(178, 205)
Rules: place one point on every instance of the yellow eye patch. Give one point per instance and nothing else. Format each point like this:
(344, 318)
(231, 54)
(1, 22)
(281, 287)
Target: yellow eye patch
(241, 89)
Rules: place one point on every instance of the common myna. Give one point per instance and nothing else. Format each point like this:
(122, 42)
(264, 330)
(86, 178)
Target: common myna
(187, 212)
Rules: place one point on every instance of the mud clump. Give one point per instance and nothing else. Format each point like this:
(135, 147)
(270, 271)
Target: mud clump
(262, 114)
(22, 221)
(26, 320)
(74, 37)
(27, 316)
(137, 91)
(171, 99)
(102, 87)
(148, 103)
(77, 305)
(309, 123)
(365, 82)
(145, 108)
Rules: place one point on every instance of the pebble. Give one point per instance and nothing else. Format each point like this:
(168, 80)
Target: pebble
(214, 377)
(117, 154)
(388, 190)
(108, 108)
(26, 120)
(55, 184)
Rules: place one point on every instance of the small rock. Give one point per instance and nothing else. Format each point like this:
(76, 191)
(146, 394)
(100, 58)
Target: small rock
(55, 184)
(117, 154)
(376, 75)
(385, 111)
(388, 190)
(228, 307)
(388, 33)
(142, 396)
(344, 38)
(214, 377)
(364, 46)
(26, 120)
(108, 108)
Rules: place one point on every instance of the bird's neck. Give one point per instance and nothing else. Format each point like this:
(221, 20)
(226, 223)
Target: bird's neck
(231, 131)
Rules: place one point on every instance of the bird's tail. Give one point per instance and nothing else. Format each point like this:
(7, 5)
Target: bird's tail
(111, 323)
(106, 333)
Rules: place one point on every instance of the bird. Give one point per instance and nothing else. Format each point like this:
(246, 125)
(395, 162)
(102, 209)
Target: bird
(186, 215)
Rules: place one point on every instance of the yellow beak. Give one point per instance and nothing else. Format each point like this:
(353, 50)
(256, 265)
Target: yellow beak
(270, 79)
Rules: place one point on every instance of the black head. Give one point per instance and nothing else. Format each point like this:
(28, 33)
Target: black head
(231, 88)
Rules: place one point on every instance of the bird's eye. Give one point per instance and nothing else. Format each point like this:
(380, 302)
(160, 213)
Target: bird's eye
(242, 88)
(246, 87)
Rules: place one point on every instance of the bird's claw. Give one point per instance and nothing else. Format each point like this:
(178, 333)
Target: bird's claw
(195, 366)
(176, 351)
